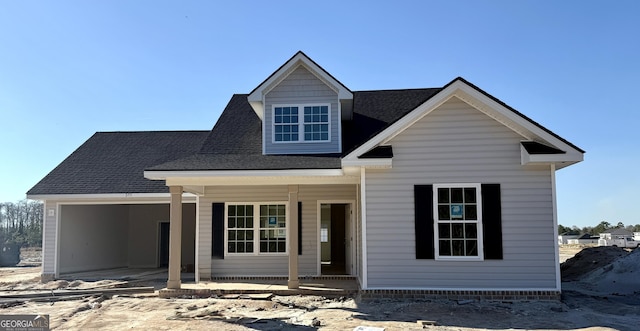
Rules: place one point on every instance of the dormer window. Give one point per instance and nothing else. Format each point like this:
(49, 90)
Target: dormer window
(316, 123)
(285, 122)
(312, 126)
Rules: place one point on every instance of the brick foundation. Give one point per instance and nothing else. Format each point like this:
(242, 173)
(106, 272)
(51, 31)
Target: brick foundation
(461, 295)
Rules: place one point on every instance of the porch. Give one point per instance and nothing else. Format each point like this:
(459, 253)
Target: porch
(342, 286)
(227, 287)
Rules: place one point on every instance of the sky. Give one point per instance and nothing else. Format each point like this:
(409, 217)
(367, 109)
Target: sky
(71, 68)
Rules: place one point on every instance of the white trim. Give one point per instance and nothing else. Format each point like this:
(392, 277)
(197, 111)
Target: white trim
(160, 175)
(363, 215)
(121, 198)
(260, 111)
(256, 228)
(555, 226)
(259, 181)
(196, 251)
(352, 205)
(478, 222)
(301, 123)
(385, 163)
(560, 160)
(56, 257)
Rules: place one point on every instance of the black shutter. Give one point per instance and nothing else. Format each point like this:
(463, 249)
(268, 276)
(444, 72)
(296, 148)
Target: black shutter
(217, 236)
(423, 203)
(299, 228)
(492, 221)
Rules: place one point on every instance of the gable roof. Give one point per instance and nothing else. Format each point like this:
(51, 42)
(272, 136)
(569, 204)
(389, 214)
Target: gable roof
(566, 153)
(255, 97)
(113, 162)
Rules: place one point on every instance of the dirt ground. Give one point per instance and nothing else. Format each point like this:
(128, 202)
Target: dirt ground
(590, 302)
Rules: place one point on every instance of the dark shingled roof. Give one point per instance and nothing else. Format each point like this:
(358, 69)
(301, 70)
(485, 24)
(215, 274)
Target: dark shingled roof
(235, 142)
(113, 162)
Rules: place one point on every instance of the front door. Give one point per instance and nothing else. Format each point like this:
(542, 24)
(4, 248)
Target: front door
(334, 244)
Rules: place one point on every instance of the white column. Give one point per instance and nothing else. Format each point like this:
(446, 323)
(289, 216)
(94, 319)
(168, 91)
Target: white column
(175, 237)
(293, 282)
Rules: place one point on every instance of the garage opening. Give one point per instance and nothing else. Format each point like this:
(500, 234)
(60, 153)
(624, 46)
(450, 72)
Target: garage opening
(99, 237)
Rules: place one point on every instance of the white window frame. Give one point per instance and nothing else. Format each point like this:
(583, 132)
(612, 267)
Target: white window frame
(478, 222)
(256, 228)
(301, 123)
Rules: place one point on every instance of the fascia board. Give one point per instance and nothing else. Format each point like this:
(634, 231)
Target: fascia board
(385, 163)
(161, 175)
(124, 198)
(261, 181)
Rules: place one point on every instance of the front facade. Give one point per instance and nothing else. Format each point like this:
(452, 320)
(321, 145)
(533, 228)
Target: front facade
(438, 189)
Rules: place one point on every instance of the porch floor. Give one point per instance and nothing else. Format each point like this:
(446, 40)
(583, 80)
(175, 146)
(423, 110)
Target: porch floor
(328, 286)
(334, 287)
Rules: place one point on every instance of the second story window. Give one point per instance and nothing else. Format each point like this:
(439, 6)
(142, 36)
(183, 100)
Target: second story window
(316, 123)
(286, 124)
(290, 124)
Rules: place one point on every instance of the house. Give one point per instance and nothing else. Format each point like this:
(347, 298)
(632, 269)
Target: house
(429, 190)
(564, 238)
(616, 233)
(584, 239)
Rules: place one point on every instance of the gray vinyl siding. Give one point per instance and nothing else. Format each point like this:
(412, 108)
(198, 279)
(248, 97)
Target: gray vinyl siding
(301, 87)
(458, 144)
(49, 238)
(265, 265)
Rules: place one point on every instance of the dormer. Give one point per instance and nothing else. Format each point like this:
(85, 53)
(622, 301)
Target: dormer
(301, 107)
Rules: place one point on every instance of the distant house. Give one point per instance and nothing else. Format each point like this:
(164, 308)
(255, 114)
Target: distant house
(563, 238)
(616, 233)
(433, 190)
(584, 239)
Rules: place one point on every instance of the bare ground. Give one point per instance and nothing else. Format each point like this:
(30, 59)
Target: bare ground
(582, 308)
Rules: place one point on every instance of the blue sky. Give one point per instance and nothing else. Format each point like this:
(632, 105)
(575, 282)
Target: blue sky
(71, 68)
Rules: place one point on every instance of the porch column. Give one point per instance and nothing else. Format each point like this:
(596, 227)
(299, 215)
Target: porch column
(293, 282)
(175, 237)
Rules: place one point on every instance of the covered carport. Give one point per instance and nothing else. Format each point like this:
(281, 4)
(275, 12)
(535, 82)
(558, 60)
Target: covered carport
(109, 236)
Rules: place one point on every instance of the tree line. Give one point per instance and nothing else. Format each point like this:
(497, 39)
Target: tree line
(21, 223)
(596, 230)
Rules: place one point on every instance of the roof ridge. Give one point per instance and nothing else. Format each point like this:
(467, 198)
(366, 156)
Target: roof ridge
(153, 131)
(401, 89)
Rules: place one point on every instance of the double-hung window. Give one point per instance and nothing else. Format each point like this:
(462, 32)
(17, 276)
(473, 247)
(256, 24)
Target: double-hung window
(301, 123)
(256, 228)
(458, 216)
(316, 123)
(285, 124)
